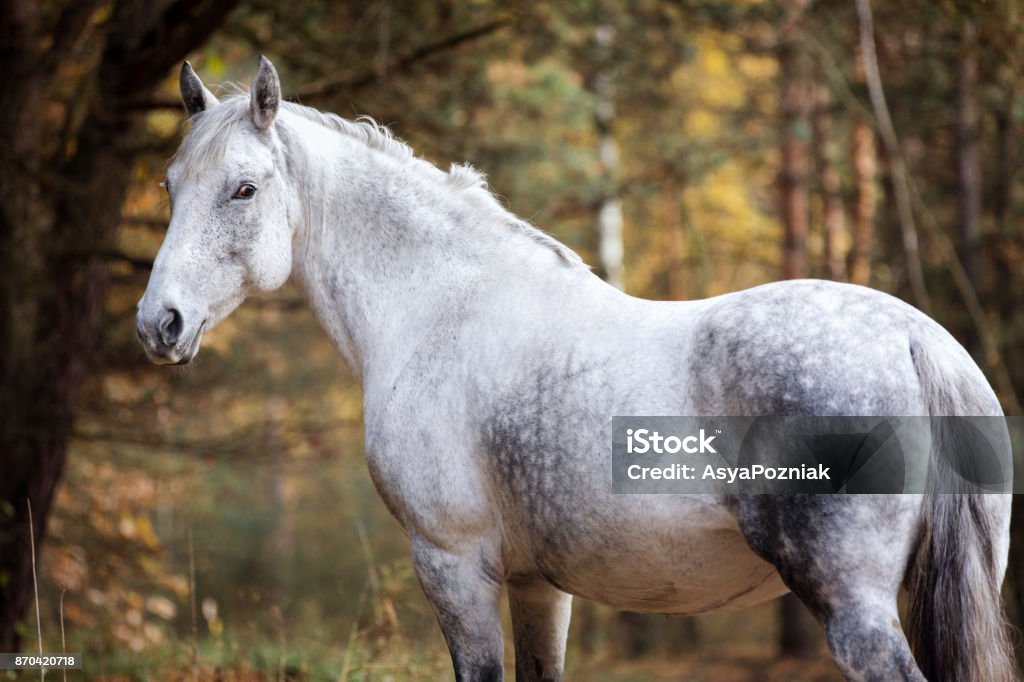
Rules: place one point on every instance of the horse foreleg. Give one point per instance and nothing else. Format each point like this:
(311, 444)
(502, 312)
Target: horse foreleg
(540, 624)
(465, 594)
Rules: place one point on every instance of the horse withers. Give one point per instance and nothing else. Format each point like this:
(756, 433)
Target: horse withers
(492, 361)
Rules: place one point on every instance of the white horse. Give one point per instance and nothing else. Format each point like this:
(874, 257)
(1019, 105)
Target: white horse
(492, 360)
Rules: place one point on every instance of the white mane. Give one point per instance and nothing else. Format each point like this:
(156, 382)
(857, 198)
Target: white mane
(211, 130)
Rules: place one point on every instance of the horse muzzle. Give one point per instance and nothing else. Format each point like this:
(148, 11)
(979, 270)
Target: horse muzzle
(167, 336)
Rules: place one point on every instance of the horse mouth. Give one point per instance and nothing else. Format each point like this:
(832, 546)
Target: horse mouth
(190, 349)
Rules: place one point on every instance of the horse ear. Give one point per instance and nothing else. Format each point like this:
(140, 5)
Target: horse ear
(195, 95)
(265, 95)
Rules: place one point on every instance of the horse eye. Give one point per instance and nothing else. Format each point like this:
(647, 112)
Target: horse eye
(246, 191)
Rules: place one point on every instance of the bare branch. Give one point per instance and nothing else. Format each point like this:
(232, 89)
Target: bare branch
(69, 30)
(892, 147)
(112, 256)
(242, 441)
(156, 104)
(159, 222)
(327, 87)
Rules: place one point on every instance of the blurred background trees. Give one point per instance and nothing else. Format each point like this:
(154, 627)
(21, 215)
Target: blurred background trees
(684, 148)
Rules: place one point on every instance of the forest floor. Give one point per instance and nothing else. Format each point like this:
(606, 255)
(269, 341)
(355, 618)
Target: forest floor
(742, 665)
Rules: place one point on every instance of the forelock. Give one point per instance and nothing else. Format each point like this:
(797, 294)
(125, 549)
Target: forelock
(206, 143)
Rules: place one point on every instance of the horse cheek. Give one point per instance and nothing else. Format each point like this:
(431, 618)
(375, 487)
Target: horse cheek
(273, 266)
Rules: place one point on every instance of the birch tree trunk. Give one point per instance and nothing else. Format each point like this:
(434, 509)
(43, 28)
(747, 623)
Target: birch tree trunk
(609, 209)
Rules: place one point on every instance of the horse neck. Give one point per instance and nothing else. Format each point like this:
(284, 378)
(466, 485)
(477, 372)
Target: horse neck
(382, 254)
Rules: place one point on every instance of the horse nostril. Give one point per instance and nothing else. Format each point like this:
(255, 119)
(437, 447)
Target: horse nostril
(170, 327)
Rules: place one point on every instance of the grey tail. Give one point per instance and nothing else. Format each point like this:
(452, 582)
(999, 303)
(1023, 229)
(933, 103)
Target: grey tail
(957, 626)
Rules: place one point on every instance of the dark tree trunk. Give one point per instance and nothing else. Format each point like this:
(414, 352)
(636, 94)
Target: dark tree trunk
(67, 294)
(29, 426)
(831, 189)
(1008, 130)
(586, 626)
(1004, 180)
(793, 199)
(967, 163)
(683, 636)
(798, 631)
(672, 220)
(636, 634)
(1015, 566)
(61, 210)
(865, 202)
(969, 181)
(795, 622)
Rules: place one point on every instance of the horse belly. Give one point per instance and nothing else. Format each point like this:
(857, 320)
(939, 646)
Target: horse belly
(678, 554)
